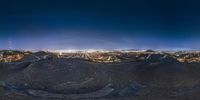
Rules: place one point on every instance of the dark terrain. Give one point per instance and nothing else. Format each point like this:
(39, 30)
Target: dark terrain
(136, 76)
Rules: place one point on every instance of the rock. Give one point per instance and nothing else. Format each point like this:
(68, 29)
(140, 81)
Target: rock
(160, 58)
(133, 90)
(154, 57)
(149, 50)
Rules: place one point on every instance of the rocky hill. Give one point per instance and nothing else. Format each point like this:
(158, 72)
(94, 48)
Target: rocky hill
(99, 76)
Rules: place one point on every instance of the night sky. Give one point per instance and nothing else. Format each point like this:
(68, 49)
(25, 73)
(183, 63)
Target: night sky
(99, 24)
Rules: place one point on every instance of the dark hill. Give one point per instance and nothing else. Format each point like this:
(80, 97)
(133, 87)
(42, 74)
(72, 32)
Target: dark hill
(155, 78)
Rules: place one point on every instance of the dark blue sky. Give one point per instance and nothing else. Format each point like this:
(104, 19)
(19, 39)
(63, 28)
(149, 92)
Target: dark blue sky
(100, 24)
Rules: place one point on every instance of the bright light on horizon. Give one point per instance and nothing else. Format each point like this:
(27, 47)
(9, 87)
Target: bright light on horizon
(79, 50)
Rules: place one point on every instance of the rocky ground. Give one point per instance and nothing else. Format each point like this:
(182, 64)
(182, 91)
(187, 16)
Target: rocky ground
(144, 76)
